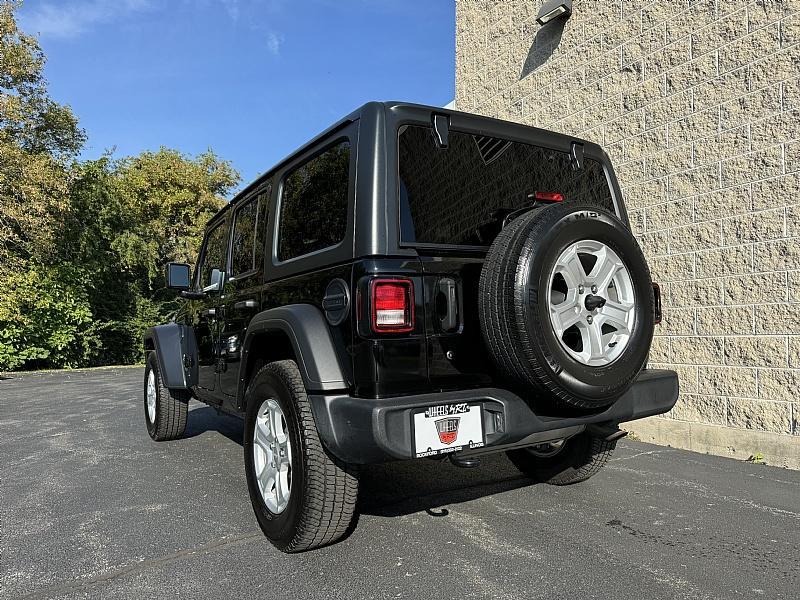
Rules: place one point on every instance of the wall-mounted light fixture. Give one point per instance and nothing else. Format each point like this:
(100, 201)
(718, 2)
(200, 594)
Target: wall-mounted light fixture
(554, 9)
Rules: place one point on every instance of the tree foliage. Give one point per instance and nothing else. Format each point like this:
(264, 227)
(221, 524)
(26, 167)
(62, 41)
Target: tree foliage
(45, 318)
(83, 244)
(37, 138)
(127, 219)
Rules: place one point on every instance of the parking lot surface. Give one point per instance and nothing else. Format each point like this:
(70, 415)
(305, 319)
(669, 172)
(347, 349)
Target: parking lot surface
(90, 507)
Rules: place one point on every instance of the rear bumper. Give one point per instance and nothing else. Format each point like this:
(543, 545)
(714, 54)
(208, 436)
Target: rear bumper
(363, 431)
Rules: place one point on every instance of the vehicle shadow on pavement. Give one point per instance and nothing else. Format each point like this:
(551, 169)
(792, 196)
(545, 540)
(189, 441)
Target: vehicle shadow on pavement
(397, 488)
(206, 419)
(407, 487)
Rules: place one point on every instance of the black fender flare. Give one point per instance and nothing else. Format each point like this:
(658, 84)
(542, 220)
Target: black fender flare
(311, 340)
(176, 352)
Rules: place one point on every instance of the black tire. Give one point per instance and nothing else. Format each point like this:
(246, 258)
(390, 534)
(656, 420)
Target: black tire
(581, 457)
(516, 325)
(324, 491)
(172, 406)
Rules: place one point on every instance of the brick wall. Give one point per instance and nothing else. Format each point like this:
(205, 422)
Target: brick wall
(698, 104)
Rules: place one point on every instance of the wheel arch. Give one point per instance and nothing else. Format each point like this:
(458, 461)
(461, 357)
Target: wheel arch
(298, 332)
(176, 354)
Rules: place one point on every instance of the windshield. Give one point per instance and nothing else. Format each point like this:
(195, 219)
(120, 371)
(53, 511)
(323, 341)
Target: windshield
(460, 195)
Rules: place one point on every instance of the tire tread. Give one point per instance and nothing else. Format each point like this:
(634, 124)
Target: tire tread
(330, 497)
(172, 406)
(573, 465)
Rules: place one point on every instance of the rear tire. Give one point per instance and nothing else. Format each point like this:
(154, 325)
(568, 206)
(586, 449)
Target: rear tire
(322, 492)
(165, 410)
(581, 457)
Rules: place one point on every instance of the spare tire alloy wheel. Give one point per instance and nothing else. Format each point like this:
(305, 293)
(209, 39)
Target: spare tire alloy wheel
(592, 303)
(566, 306)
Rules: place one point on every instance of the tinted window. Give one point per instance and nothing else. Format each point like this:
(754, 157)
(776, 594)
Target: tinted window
(243, 245)
(459, 195)
(261, 225)
(314, 204)
(215, 254)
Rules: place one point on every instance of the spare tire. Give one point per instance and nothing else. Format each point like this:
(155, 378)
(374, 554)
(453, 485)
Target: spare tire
(566, 305)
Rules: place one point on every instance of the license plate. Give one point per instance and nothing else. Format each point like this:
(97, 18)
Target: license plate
(447, 428)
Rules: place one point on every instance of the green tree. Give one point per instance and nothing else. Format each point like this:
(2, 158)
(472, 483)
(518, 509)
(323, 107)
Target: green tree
(83, 244)
(127, 219)
(38, 138)
(170, 197)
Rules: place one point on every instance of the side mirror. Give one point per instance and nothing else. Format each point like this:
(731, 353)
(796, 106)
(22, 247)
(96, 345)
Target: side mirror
(178, 276)
(215, 284)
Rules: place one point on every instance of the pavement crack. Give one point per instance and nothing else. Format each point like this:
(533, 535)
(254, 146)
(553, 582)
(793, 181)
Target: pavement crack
(621, 458)
(90, 582)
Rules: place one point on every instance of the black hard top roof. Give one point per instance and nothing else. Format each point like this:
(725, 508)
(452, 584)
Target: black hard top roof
(370, 109)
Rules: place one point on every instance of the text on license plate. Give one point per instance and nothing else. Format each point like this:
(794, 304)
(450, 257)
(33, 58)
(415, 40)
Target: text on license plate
(447, 428)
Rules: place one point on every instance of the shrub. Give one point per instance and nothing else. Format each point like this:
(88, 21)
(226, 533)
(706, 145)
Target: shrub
(45, 319)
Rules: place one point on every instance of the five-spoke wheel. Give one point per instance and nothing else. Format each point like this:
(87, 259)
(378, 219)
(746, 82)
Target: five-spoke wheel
(272, 456)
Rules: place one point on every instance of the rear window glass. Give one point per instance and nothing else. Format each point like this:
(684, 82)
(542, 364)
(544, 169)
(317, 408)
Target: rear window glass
(460, 195)
(313, 213)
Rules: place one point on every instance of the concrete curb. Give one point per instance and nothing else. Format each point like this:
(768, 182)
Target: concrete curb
(777, 450)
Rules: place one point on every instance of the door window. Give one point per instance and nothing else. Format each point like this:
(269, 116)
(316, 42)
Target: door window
(213, 257)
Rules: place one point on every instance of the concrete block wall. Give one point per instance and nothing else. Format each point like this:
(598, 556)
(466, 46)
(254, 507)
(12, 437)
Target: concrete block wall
(698, 104)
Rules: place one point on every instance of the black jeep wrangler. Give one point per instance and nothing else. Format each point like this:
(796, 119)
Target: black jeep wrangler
(414, 282)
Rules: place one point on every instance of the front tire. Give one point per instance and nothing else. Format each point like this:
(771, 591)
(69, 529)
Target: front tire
(303, 498)
(165, 410)
(578, 459)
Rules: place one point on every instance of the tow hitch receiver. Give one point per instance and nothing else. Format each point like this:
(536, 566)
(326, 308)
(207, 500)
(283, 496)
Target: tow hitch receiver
(465, 462)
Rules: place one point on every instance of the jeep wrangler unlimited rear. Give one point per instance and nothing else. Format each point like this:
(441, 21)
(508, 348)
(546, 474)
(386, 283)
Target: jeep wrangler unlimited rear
(414, 282)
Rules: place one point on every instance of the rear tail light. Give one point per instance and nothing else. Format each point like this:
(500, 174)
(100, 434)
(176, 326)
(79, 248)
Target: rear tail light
(392, 305)
(548, 197)
(657, 298)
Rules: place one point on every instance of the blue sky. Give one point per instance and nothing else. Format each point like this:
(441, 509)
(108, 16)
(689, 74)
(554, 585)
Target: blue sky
(251, 79)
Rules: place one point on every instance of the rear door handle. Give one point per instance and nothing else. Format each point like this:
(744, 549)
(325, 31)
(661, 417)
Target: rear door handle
(245, 305)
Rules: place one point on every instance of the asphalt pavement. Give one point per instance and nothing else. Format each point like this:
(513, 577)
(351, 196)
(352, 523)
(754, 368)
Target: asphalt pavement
(90, 507)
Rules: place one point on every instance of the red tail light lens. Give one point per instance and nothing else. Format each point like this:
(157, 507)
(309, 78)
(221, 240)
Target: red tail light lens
(548, 197)
(392, 305)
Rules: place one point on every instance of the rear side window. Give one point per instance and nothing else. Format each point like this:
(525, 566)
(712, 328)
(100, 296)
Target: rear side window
(243, 247)
(458, 195)
(313, 206)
